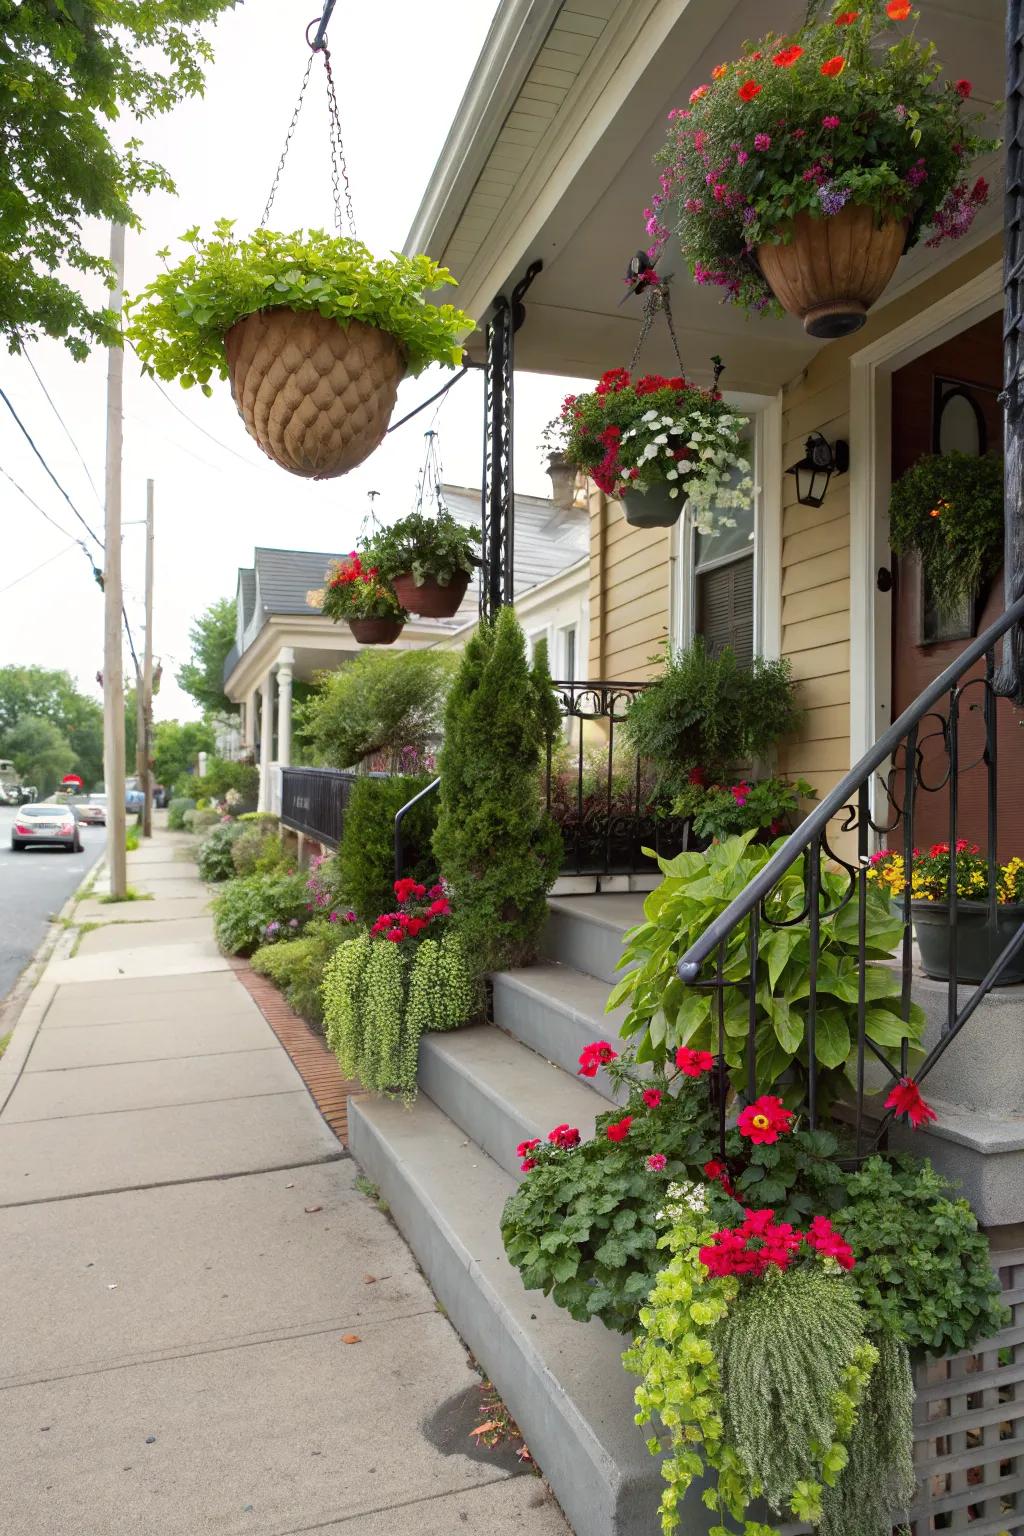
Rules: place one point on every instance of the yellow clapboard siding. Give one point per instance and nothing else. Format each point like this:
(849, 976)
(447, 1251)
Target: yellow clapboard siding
(620, 533)
(816, 541)
(816, 756)
(624, 566)
(820, 692)
(654, 579)
(824, 630)
(832, 597)
(797, 519)
(826, 724)
(804, 574)
(806, 416)
(625, 662)
(821, 662)
(636, 609)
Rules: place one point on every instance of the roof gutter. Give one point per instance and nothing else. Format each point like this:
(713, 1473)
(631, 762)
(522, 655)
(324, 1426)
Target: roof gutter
(515, 38)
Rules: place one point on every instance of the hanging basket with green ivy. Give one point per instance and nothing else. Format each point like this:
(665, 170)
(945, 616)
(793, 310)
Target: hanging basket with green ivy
(949, 508)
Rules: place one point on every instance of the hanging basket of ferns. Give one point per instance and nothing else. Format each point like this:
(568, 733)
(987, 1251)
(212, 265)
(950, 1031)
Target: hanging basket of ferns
(357, 593)
(949, 508)
(313, 332)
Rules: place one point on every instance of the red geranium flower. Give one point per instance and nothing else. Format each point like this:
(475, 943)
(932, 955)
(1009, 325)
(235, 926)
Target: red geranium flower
(598, 1054)
(652, 1097)
(612, 381)
(898, 10)
(824, 1238)
(964, 89)
(847, 19)
(656, 1161)
(765, 1120)
(787, 57)
(439, 908)
(564, 1136)
(619, 1129)
(905, 1099)
(833, 67)
(718, 1173)
(694, 1063)
(749, 89)
(527, 1146)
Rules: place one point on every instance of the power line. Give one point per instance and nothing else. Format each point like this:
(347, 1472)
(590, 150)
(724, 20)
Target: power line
(67, 429)
(73, 545)
(176, 407)
(98, 541)
(43, 513)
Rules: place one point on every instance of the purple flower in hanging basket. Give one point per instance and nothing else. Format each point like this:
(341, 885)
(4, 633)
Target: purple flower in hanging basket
(832, 198)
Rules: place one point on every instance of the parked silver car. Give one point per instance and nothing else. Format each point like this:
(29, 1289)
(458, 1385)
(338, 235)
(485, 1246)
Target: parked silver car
(46, 824)
(92, 811)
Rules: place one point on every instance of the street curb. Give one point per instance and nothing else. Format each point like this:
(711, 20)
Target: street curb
(24, 1010)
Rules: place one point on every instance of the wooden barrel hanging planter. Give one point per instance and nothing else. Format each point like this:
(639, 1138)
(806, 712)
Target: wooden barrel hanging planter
(431, 599)
(315, 394)
(832, 270)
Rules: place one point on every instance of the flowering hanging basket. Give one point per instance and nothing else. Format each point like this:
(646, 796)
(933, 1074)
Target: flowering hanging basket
(830, 271)
(376, 631)
(655, 509)
(316, 395)
(432, 599)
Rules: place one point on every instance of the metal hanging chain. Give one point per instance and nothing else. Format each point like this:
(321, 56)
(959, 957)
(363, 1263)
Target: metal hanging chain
(339, 169)
(287, 143)
(657, 301)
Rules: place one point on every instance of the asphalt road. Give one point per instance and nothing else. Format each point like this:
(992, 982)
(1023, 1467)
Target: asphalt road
(34, 885)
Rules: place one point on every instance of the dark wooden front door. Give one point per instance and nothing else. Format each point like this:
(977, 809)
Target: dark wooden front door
(949, 399)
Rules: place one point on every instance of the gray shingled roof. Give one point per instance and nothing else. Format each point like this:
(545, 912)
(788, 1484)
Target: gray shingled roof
(246, 593)
(286, 575)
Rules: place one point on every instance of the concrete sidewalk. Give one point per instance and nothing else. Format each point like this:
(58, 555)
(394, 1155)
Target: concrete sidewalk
(183, 1250)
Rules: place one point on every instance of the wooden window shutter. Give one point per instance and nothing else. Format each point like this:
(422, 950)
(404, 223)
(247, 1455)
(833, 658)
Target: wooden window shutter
(725, 607)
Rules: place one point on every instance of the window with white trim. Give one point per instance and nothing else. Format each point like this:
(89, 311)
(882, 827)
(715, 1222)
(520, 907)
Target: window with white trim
(716, 581)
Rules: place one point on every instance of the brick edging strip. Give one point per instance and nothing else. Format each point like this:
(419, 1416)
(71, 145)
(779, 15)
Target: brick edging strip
(315, 1063)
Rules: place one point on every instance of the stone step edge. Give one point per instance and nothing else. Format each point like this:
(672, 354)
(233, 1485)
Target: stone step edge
(572, 1027)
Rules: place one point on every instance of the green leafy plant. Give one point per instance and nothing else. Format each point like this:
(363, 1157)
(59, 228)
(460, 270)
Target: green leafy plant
(379, 997)
(366, 854)
(949, 507)
(432, 548)
(379, 702)
(665, 1014)
(178, 323)
(214, 854)
(353, 591)
(211, 637)
(257, 845)
(496, 845)
(176, 809)
(224, 777)
(722, 810)
(199, 822)
(298, 966)
(243, 910)
(633, 435)
(708, 714)
(924, 1273)
(849, 109)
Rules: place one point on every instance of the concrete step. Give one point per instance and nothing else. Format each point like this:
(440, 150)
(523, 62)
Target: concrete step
(500, 1093)
(982, 1153)
(556, 1011)
(983, 1067)
(563, 1381)
(585, 932)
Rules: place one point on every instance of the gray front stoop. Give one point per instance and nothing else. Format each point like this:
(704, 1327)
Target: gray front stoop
(983, 1067)
(563, 1381)
(585, 932)
(556, 1011)
(982, 1154)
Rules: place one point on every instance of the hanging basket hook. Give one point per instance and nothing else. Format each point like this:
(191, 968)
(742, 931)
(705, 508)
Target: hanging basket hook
(319, 41)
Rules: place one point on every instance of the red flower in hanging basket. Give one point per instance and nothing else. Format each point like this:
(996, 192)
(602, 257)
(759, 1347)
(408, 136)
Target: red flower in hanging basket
(787, 57)
(898, 10)
(833, 67)
(749, 89)
(905, 1099)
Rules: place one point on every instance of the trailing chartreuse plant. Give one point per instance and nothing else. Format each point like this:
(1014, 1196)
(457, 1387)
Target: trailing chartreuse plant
(431, 548)
(879, 1476)
(949, 507)
(178, 323)
(665, 1014)
(497, 847)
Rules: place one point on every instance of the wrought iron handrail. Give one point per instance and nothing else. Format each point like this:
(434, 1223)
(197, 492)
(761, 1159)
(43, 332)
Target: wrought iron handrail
(400, 815)
(851, 799)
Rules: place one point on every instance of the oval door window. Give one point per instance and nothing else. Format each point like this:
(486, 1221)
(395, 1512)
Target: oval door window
(961, 424)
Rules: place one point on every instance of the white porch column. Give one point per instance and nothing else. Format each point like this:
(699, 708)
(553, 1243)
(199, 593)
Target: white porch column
(249, 734)
(285, 661)
(266, 740)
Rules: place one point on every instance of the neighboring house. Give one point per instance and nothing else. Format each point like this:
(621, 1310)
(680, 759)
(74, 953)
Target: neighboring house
(280, 639)
(550, 158)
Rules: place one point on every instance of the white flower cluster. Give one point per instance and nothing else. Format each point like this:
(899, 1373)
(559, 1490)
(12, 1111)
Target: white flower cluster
(707, 477)
(681, 1198)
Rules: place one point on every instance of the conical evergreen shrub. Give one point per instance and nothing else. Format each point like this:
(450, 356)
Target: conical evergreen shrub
(496, 846)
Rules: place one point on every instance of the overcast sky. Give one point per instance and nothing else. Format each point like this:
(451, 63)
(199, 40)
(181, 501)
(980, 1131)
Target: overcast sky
(400, 77)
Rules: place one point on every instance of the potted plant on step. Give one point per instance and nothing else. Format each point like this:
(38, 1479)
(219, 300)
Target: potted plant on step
(359, 595)
(984, 926)
(314, 333)
(660, 444)
(426, 560)
(799, 174)
(949, 508)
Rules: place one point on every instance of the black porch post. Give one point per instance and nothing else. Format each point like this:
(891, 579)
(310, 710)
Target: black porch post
(1010, 677)
(497, 493)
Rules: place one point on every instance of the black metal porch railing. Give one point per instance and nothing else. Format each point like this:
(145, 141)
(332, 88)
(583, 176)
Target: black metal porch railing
(603, 798)
(313, 801)
(949, 731)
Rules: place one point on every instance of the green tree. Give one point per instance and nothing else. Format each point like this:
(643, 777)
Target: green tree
(37, 693)
(41, 753)
(176, 747)
(212, 635)
(379, 702)
(69, 69)
(496, 845)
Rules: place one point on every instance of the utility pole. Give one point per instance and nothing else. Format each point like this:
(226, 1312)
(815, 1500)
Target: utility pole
(113, 666)
(147, 673)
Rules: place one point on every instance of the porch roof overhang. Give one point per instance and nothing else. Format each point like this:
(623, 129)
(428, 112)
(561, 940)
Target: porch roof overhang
(319, 646)
(549, 159)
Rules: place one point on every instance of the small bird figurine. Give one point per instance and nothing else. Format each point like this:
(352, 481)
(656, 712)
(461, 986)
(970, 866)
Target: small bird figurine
(640, 274)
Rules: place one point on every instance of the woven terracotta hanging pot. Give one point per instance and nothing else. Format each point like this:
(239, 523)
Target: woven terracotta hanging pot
(315, 394)
(833, 270)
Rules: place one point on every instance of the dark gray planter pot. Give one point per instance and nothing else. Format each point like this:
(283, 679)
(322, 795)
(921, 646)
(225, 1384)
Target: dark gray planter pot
(654, 508)
(980, 942)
